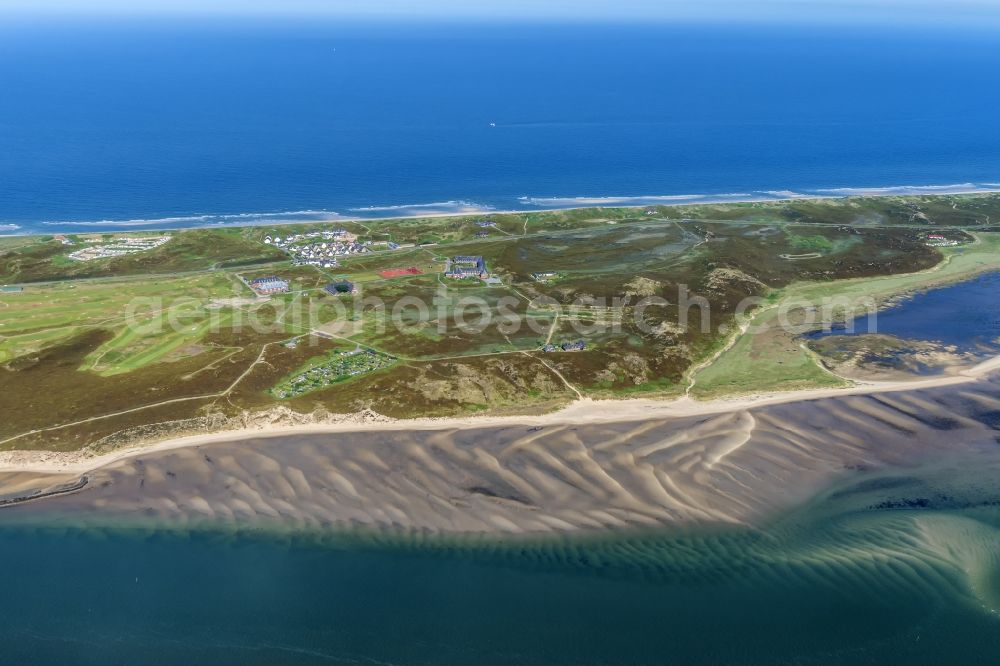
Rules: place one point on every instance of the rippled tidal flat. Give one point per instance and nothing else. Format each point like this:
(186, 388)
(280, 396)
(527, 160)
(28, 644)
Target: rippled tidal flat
(855, 529)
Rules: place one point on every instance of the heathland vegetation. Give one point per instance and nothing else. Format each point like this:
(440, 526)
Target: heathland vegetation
(659, 296)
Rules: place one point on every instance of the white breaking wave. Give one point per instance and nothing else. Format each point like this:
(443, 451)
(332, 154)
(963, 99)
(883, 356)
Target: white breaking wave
(564, 202)
(442, 206)
(461, 206)
(902, 190)
(9, 227)
(788, 194)
(758, 196)
(292, 214)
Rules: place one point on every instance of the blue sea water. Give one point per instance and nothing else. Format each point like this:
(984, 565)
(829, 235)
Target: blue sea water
(141, 125)
(965, 315)
(863, 588)
(171, 124)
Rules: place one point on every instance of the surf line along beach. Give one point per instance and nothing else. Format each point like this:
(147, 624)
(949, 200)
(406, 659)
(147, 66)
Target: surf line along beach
(591, 466)
(459, 208)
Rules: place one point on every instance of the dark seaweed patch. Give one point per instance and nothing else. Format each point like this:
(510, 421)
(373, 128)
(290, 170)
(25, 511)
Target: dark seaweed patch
(489, 492)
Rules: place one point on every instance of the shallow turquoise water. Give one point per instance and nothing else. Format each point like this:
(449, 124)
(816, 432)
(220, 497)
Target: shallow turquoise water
(854, 586)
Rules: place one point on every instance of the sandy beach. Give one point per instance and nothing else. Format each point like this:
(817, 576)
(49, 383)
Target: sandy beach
(591, 466)
(581, 412)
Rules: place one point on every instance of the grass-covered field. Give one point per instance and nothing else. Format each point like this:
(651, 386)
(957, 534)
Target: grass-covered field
(776, 360)
(93, 348)
(135, 311)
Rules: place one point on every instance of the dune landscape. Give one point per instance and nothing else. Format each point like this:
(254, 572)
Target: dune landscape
(591, 467)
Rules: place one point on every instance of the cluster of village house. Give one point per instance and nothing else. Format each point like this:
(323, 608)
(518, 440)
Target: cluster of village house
(325, 248)
(118, 247)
